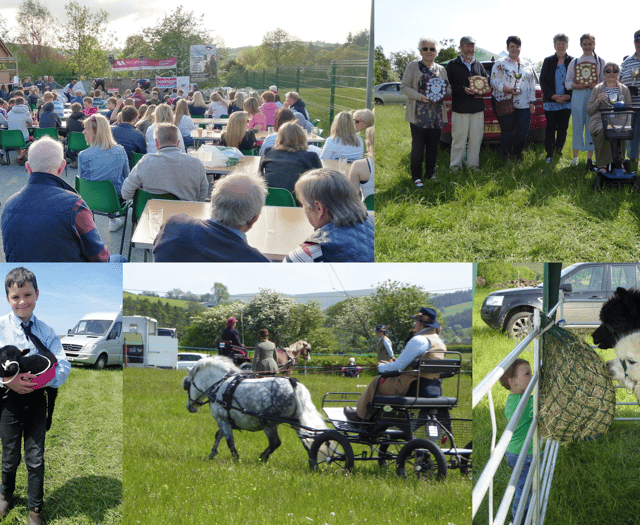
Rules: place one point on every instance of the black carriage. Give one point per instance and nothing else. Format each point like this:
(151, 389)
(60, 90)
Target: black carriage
(414, 431)
(237, 354)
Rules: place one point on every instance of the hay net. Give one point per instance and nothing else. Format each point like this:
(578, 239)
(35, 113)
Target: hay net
(577, 396)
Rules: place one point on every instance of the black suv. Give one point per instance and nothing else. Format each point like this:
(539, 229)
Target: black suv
(586, 287)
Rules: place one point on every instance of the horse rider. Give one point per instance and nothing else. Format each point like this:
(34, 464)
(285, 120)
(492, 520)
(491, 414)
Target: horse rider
(384, 348)
(231, 334)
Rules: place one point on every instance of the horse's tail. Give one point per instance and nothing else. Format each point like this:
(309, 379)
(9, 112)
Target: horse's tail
(306, 412)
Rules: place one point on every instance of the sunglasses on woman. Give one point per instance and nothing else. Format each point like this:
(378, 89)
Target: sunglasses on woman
(609, 71)
(433, 49)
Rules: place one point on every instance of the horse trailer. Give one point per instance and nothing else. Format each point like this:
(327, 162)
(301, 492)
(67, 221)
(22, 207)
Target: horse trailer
(144, 347)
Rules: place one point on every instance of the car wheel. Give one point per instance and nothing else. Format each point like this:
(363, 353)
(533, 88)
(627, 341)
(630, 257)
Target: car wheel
(101, 362)
(378, 102)
(520, 324)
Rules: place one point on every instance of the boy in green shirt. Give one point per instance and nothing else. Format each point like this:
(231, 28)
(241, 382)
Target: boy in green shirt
(516, 379)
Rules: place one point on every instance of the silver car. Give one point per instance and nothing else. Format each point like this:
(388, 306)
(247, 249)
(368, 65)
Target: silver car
(187, 359)
(389, 93)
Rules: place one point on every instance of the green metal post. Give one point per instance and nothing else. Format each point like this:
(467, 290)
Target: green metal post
(332, 96)
(298, 79)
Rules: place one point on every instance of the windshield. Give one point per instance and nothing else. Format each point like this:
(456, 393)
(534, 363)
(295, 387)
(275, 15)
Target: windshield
(91, 327)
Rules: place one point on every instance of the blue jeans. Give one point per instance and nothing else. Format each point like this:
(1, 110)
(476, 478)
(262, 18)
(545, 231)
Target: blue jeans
(511, 461)
(514, 130)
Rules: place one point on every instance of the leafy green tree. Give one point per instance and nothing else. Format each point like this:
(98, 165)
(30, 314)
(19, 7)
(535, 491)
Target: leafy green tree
(174, 35)
(393, 303)
(135, 46)
(220, 294)
(382, 66)
(35, 30)
(85, 38)
(206, 327)
(268, 309)
(352, 323)
(448, 50)
(277, 47)
(400, 61)
(4, 31)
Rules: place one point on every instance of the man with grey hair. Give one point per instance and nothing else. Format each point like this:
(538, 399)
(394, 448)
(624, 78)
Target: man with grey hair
(467, 116)
(295, 103)
(236, 203)
(169, 170)
(47, 221)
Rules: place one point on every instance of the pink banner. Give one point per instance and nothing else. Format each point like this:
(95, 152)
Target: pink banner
(124, 64)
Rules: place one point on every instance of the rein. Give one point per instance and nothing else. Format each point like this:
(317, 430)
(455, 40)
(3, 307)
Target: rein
(213, 389)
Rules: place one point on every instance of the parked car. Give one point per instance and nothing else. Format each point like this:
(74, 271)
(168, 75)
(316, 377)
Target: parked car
(187, 359)
(389, 93)
(491, 126)
(586, 286)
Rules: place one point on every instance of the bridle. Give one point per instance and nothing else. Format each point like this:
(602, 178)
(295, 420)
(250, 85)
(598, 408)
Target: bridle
(204, 396)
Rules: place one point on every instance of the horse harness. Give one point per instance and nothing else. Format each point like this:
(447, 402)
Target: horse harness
(226, 400)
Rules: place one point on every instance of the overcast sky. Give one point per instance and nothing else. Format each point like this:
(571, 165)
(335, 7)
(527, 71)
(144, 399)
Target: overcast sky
(294, 278)
(69, 291)
(239, 25)
(399, 25)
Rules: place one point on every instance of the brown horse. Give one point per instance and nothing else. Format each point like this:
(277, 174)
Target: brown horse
(288, 357)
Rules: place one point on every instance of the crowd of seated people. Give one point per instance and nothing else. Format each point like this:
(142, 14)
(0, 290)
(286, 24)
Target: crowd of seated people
(160, 128)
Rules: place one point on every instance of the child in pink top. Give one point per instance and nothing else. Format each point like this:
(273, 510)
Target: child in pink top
(256, 119)
(88, 107)
(269, 107)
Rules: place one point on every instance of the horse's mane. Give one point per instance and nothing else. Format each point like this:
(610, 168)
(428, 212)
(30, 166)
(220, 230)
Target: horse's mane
(297, 346)
(218, 361)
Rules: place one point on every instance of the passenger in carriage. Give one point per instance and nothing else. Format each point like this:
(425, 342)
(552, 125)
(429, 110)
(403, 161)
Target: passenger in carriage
(426, 339)
(231, 334)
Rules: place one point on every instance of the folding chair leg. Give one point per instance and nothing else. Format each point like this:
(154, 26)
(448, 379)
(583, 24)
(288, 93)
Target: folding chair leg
(124, 231)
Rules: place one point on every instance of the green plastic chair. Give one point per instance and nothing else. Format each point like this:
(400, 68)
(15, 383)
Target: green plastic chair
(38, 133)
(280, 197)
(75, 142)
(250, 152)
(102, 198)
(197, 116)
(140, 198)
(369, 202)
(11, 139)
(136, 157)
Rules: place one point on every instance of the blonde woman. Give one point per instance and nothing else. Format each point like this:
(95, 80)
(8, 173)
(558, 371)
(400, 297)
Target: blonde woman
(237, 134)
(104, 159)
(162, 115)
(217, 107)
(197, 106)
(361, 173)
(362, 119)
(256, 119)
(343, 143)
(184, 122)
(289, 158)
(237, 103)
(143, 123)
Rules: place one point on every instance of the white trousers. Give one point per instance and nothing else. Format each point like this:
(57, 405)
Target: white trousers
(466, 136)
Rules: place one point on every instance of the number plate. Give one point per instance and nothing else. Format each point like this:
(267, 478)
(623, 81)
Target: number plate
(491, 128)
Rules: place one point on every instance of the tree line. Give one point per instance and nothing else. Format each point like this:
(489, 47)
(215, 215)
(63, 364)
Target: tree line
(345, 328)
(80, 46)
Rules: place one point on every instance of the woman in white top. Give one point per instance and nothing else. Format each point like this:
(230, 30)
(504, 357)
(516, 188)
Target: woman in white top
(217, 108)
(361, 173)
(162, 114)
(184, 122)
(511, 80)
(343, 143)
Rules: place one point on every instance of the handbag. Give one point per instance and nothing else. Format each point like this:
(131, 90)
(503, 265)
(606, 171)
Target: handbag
(504, 107)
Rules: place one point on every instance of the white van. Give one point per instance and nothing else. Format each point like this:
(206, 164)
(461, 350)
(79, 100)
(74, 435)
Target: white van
(96, 340)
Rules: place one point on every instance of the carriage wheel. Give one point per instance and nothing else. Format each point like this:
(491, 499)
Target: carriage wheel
(423, 459)
(465, 460)
(339, 457)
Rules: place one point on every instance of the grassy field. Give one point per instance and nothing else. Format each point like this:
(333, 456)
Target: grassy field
(518, 211)
(595, 481)
(83, 477)
(168, 478)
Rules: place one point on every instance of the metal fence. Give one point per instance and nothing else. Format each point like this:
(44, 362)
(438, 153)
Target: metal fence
(326, 90)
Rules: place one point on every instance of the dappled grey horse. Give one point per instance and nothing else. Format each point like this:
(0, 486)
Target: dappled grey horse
(236, 401)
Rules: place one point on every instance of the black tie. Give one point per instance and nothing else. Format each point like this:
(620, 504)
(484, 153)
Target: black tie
(34, 338)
